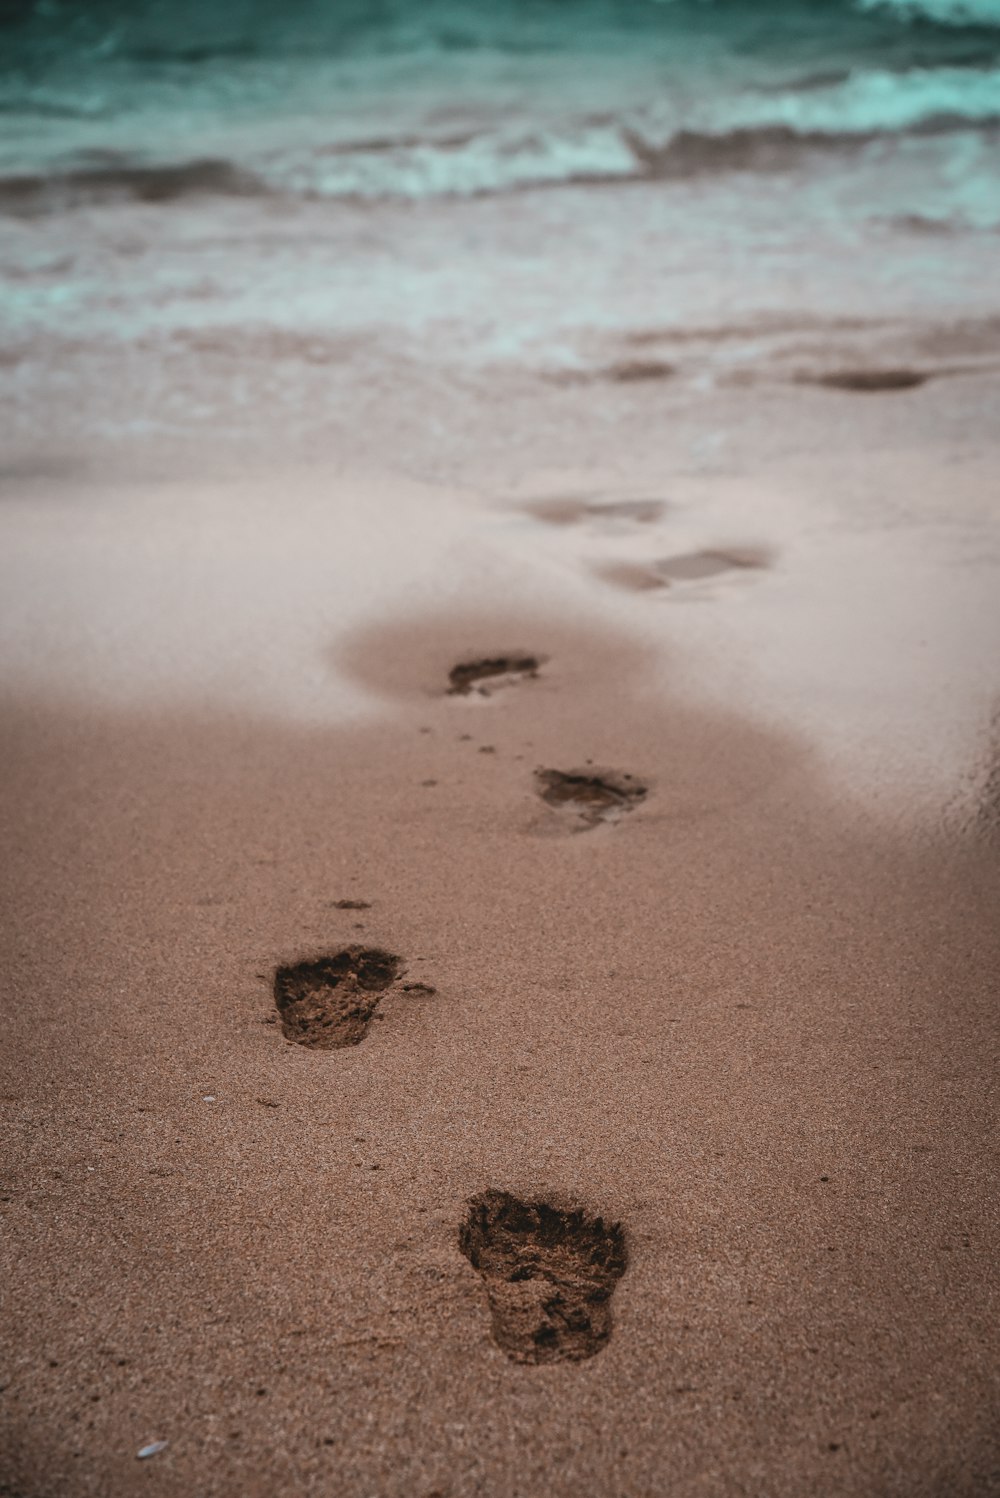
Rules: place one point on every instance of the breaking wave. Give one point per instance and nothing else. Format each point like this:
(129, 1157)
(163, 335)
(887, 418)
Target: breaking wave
(752, 132)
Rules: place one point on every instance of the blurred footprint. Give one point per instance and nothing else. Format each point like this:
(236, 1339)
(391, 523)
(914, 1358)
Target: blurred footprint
(606, 513)
(624, 372)
(498, 671)
(869, 381)
(587, 797)
(687, 567)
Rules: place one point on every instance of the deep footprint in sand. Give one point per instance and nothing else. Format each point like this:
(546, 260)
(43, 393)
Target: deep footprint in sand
(549, 1274)
(488, 673)
(590, 798)
(687, 567)
(329, 1003)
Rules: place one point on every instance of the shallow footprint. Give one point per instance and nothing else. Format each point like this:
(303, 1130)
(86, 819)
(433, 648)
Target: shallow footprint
(589, 797)
(498, 671)
(549, 1274)
(575, 511)
(688, 567)
(329, 1002)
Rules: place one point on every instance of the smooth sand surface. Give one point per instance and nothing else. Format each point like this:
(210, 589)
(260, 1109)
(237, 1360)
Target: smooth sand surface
(749, 1021)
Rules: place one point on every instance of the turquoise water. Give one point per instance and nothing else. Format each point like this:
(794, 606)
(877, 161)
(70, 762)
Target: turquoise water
(391, 99)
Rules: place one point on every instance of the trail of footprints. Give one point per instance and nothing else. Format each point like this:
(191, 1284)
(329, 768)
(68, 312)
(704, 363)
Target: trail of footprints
(620, 517)
(549, 1269)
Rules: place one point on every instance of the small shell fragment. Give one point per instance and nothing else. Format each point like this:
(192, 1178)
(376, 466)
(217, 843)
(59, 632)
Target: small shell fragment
(152, 1449)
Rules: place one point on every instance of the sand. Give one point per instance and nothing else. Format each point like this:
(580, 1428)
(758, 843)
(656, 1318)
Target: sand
(582, 1087)
(732, 1014)
(750, 1017)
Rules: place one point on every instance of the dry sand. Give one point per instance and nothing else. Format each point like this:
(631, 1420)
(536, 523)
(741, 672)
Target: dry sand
(751, 1018)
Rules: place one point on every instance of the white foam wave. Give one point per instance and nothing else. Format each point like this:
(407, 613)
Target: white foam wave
(876, 100)
(948, 12)
(397, 145)
(493, 161)
(665, 139)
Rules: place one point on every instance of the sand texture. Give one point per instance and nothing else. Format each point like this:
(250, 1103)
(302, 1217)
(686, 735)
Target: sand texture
(664, 1165)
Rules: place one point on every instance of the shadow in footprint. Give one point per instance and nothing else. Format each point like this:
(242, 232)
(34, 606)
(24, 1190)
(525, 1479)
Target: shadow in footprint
(498, 671)
(329, 1003)
(590, 798)
(549, 1274)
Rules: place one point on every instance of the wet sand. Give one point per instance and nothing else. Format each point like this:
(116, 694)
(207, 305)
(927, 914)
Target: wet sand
(748, 1020)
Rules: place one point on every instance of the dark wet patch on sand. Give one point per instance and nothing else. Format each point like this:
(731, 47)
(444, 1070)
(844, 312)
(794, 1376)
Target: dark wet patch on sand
(868, 381)
(328, 1003)
(549, 1274)
(976, 807)
(589, 797)
(497, 671)
(633, 371)
(623, 372)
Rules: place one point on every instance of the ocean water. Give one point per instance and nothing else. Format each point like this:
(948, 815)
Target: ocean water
(388, 99)
(371, 185)
(513, 250)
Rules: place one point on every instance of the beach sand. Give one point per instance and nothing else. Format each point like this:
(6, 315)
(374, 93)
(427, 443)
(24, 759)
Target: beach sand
(750, 1017)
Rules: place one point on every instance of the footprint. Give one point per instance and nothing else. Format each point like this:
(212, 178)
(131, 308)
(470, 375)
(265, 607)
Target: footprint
(499, 671)
(575, 511)
(688, 567)
(549, 1274)
(329, 1003)
(868, 381)
(590, 798)
(636, 577)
